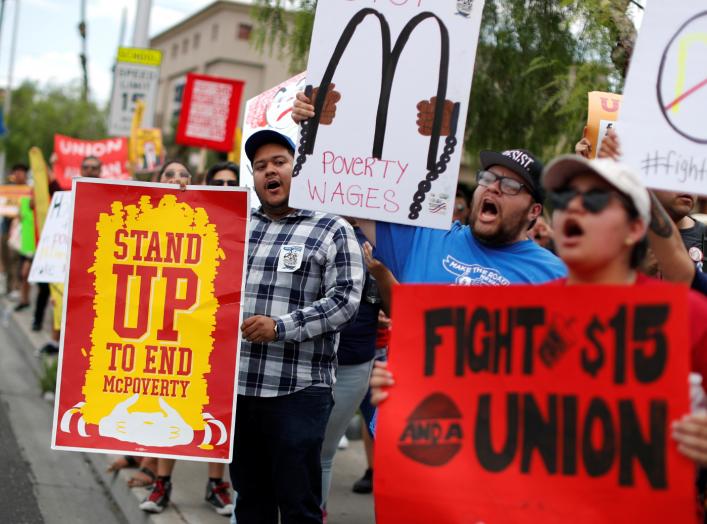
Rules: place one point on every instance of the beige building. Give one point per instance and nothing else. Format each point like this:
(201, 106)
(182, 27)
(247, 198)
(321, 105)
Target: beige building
(213, 41)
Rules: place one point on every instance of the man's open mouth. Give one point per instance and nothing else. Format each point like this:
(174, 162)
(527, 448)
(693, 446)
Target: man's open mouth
(488, 209)
(272, 184)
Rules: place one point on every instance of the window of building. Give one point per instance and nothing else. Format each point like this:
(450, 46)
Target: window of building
(177, 99)
(244, 31)
(214, 32)
(175, 50)
(185, 45)
(197, 40)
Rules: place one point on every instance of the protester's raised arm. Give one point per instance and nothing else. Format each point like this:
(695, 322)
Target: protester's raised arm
(668, 247)
(384, 277)
(584, 146)
(368, 227)
(610, 147)
(302, 109)
(381, 379)
(690, 433)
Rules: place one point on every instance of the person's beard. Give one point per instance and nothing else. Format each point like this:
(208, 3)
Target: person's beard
(507, 230)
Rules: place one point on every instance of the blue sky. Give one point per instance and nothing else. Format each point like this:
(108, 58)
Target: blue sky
(48, 43)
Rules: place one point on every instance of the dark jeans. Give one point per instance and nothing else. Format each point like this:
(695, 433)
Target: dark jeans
(277, 445)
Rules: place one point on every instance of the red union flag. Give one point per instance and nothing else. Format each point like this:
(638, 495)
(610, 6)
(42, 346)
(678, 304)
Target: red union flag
(209, 112)
(535, 404)
(70, 152)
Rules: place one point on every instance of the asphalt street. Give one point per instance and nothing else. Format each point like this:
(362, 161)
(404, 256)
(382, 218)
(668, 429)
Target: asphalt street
(38, 485)
(18, 501)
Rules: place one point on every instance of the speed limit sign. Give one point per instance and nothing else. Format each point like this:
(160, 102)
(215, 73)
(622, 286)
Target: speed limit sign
(136, 77)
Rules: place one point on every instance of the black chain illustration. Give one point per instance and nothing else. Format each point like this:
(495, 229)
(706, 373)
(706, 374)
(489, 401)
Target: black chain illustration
(440, 167)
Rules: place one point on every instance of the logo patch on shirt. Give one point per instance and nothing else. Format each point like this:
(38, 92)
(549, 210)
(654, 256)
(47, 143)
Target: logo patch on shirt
(290, 258)
(473, 274)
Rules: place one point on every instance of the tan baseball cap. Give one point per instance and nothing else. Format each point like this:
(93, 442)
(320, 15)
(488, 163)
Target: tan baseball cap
(623, 177)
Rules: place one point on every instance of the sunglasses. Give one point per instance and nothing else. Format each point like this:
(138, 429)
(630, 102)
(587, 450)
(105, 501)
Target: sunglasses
(509, 186)
(231, 183)
(594, 200)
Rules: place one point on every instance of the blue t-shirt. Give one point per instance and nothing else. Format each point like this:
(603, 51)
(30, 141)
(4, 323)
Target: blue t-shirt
(424, 255)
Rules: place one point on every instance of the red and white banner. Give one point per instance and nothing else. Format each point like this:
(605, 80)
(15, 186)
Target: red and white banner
(209, 112)
(70, 152)
(271, 109)
(150, 338)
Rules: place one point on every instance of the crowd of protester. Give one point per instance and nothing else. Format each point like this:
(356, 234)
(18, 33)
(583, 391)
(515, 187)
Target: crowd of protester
(311, 360)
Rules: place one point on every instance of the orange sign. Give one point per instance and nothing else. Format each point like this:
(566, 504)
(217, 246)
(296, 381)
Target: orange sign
(530, 404)
(10, 196)
(604, 111)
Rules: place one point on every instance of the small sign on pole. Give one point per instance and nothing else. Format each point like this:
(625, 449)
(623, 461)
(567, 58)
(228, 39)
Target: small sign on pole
(137, 72)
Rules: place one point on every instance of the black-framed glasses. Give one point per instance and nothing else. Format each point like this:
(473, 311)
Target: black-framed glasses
(594, 200)
(231, 183)
(509, 186)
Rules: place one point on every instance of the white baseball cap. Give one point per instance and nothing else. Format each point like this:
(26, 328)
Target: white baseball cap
(621, 176)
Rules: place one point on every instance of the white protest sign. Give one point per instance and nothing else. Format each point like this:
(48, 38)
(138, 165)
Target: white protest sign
(136, 77)
(271, 109)
(664, 114)
(380, 146)
(49, 264)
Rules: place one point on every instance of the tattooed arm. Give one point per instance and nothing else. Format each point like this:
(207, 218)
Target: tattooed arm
(663, 235)
(667, 246)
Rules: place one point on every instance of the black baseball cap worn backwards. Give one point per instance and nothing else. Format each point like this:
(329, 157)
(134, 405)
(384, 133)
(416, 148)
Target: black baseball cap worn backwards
(523, 163)
(266, 136)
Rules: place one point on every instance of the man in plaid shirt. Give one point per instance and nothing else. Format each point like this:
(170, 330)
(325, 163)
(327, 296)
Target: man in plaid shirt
(304, 280)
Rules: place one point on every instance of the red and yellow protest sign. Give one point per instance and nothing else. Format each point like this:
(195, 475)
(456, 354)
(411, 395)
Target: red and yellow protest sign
(150, 336)
(70, 152)
(603, 113)
(535, 404)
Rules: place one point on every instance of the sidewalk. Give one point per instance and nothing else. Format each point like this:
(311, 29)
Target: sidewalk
(189, 478)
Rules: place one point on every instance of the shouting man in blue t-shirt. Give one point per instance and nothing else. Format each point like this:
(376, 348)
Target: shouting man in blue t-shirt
(493, 250)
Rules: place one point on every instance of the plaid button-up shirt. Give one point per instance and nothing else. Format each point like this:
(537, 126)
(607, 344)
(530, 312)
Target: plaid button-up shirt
(306, 272)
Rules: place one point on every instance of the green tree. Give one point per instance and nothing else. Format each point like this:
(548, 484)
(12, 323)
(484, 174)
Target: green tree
(37, 114)
(535, 63)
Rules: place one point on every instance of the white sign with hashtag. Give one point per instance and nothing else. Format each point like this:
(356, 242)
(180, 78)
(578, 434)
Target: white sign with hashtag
(390, 82)
(664, 113)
